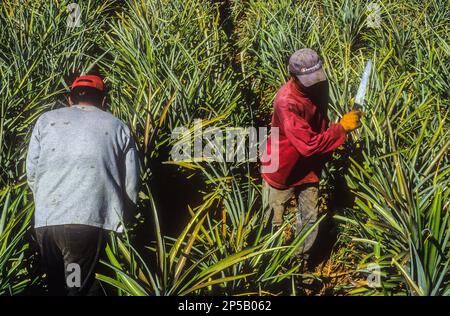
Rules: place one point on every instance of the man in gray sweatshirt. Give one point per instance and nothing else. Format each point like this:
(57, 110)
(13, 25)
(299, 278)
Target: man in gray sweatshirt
(83, 169)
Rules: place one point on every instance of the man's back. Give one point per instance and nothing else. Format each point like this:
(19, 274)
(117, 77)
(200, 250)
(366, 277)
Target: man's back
(82, 167)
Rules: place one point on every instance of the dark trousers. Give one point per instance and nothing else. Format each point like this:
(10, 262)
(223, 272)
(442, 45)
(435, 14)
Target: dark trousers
(69, 256)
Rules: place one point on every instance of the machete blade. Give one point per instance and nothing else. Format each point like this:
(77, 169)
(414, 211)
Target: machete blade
(361, 94)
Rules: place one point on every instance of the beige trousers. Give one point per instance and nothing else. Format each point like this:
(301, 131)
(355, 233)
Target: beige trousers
(275, 202)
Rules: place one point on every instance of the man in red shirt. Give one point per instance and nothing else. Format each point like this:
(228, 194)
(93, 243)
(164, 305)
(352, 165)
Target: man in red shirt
(304, 144)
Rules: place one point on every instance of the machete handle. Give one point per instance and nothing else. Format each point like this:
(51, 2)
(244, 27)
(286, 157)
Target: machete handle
(357, 107)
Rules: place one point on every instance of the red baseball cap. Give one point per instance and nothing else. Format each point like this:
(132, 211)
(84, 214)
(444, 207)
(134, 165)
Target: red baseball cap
(92, 81)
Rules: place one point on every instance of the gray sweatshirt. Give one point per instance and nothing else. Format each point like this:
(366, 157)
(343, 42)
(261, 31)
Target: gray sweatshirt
(82, 167)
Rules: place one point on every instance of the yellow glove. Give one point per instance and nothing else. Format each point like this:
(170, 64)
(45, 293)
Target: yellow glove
(351, 120)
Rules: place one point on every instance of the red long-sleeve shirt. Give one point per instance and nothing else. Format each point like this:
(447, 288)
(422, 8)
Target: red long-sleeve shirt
(304, 139)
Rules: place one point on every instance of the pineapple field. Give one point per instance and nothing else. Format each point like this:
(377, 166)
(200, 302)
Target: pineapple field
(199, 225)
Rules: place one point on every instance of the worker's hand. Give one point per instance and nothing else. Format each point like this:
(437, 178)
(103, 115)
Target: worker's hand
(351, 120)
